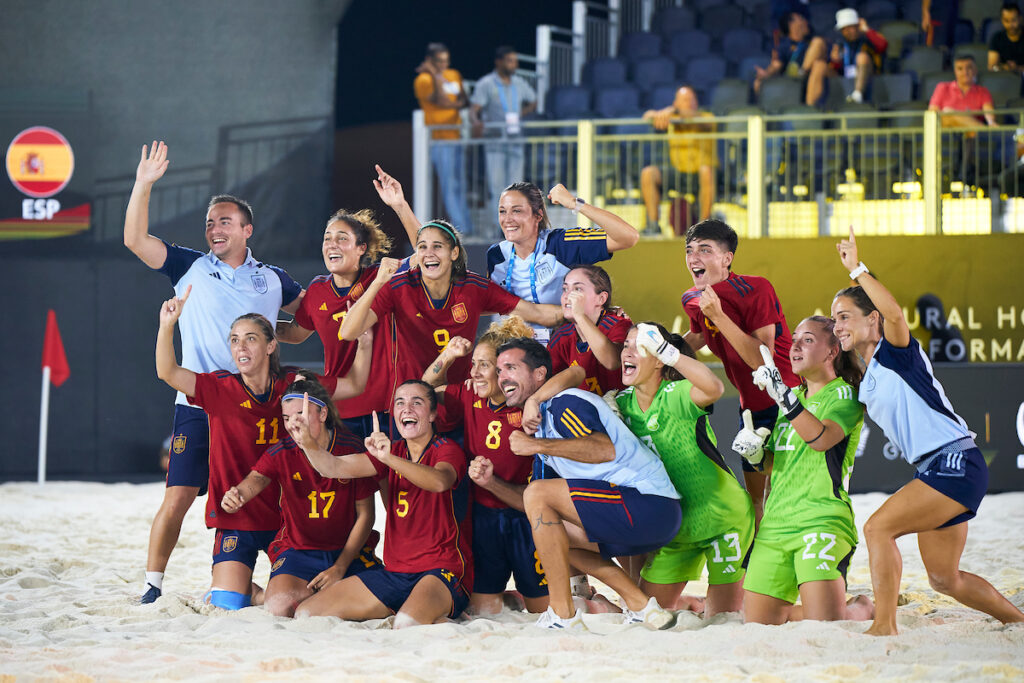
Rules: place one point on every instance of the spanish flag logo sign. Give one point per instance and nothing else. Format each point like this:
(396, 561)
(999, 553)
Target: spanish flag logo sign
(40, 162)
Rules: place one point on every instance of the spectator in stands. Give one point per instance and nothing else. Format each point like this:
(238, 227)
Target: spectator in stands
(963, 95)
(501, 100)
(859, 54)
(798, 54)
(781, 8)
(938, 21)
(689, 156)
(1006, 49)
(440, 93)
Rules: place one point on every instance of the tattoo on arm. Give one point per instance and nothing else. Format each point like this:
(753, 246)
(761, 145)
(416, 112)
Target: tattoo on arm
(437, 366)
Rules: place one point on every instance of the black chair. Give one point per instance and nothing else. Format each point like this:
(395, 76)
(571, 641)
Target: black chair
(1003, 85)
(729, 94)
(779, 93)
(921, 60)
(977, 11)
(894, 32)
(887, 89)
(928, 81)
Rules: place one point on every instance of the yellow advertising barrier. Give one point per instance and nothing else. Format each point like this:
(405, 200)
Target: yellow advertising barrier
(980, 281)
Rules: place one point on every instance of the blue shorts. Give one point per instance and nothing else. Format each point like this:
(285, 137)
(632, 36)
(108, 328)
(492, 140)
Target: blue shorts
(230, 545)
(762, 418)
(362, 426)
(189, 462)
(503, 547)
(393, 588)
(305, 564)
(960, 475)
(623, 521)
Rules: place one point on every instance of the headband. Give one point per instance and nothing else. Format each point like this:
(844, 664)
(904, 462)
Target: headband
(439, 226)
(312, 399)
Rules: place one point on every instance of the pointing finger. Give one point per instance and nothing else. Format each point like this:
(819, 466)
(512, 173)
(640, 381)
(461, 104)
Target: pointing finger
(748, 420)
(376, 422)
(766, 354)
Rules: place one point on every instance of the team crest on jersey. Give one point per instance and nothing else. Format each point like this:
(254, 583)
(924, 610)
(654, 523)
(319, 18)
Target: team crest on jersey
(178, 444)
(228, 544)
(356, 291)
(277, 565)
(459, 313)
(544, 272)
(516, 419)
(259, 283)
(652, 423)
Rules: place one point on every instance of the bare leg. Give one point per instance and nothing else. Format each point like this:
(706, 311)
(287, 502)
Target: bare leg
(650, 189)
(547, 504)
(233, 576)
(610, 574)
(486, 603)
(536, 605)
(764, 609)
(163, 535)
(816, 82)
(725, 597)
(284, 593)
(632, 565)
(429, 602)
(864, 70)
(667, 594)
(940, 551)
(349, 599)
(823, 600)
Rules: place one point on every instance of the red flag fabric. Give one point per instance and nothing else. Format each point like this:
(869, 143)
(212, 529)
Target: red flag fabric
(53, 352)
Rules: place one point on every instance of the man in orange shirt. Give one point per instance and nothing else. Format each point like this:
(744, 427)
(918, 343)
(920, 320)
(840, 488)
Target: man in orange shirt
(440, 93)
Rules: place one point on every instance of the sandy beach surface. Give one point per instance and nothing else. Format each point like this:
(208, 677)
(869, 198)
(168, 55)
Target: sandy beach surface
(71, 569)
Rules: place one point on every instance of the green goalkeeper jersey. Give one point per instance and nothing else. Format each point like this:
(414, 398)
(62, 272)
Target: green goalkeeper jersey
(808, 487)
(679, 431)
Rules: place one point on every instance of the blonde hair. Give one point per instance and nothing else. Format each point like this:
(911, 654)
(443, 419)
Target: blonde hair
(501, 331)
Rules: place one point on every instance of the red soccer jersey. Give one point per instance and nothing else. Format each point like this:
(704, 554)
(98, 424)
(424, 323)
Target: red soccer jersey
(242, 427)
(317, 513)
(421, 532)
(323, 309)
(487, 427)
(423, 328)
(751, 303)
(568, 349)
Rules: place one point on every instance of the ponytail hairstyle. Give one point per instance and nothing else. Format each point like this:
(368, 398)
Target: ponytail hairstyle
(268, 334)
(862, 301)
(501, 331)
(367, 231)
(598, 277)
(535, 198)
(454, 239)
(668, 372)
(845, 363)
(309, 385)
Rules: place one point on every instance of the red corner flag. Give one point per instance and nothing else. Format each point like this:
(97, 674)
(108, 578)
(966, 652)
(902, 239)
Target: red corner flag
(53, 352)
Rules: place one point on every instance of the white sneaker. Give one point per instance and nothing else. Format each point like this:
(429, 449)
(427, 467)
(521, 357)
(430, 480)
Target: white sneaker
(855, 96)
(552, 621)
(652, 616)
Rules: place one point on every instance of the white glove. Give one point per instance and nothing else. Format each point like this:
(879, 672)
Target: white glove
(769, 378)
(749, 442)
(649, 340)
(609, 399)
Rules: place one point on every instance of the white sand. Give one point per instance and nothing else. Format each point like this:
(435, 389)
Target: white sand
(72, 554)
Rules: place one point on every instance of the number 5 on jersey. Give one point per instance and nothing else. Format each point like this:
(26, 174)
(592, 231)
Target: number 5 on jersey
(402, 506)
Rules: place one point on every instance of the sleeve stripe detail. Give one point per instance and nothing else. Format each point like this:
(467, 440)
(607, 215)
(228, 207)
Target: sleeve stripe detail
(574, 423)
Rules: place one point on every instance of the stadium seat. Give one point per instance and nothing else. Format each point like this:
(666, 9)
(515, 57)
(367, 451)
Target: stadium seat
(661, 96)
(641, 45)
(669, 20)
(823, 16)
(751, 6)
(729, 94)
(921, 60)
(616, 102)
(746, 70)
(1003, 85)
(964, 31)
(648, 73)
(990, 28)
(977, 50)
(928, 81)
(894, 32)
(704, 72)
(803, 155)
(739, 43)
(718, 18)
(878, 11)
(569, 102)
(887, 89)
(604, 72)
(684, 45)
(778, 93)
(977, 11)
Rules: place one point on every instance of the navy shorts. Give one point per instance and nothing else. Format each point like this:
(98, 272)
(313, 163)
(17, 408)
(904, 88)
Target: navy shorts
(503, 547)
(960, 475)
(189, 463)
(393, 588)
(762, 418)
(306, 564)
(623, 521)
(230, 545)
(362, 426)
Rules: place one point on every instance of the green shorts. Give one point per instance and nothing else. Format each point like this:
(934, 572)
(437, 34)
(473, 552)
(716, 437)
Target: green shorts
(779, 563)
(684, 560)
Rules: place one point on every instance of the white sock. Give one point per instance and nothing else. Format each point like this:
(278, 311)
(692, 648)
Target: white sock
(155, 579)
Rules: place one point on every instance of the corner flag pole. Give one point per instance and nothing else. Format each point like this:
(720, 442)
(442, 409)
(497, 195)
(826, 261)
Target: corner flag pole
(44, 421)
(55, 369)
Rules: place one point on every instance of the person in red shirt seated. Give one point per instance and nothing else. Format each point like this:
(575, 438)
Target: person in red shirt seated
(963, 95)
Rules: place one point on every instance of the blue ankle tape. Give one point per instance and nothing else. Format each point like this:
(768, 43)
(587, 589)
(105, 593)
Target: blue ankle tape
(229, 599)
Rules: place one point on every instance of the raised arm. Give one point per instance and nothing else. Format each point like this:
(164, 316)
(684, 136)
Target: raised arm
(167, 368)
(360, 316)
(353, 383)
(607, 352)
(571, 377)
(151, 168)
(390, 192)
(621, 235)
(707, 388)
(247, 489)
(434, 478)
(895, 328)
(436, 373)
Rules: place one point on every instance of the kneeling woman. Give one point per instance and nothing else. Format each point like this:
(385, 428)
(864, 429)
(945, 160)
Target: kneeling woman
(245, 419)
(425, 557)
(667, 404)
(807, 535)
(319, 514)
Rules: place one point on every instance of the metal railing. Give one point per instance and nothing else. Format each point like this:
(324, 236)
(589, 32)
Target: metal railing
(795, 175)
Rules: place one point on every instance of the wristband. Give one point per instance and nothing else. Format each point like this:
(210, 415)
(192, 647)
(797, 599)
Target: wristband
(796, 410)
(579, 205)
(858, 271)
